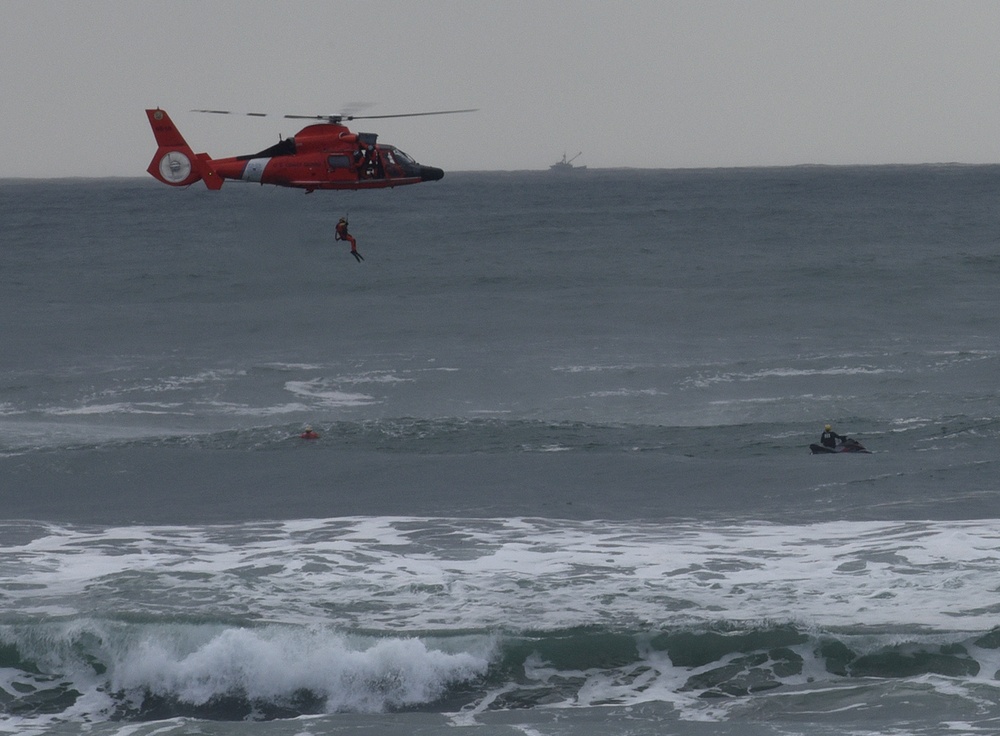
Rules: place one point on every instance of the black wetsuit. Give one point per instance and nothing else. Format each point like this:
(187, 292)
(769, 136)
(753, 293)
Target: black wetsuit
(829, 438)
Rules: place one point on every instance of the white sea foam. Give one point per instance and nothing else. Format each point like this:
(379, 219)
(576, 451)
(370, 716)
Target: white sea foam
(599, 368)
(703, 381)
(294, 366)
(175, 383)
(196, 664)
(258, 411)
(374, 377)
(523, 573)
(122, 407)
(322, 393)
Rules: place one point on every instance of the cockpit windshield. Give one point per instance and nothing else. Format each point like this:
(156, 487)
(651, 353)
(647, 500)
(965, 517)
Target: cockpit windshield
(403, 158)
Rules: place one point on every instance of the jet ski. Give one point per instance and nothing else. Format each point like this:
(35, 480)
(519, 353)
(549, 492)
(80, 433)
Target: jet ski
(845, 445)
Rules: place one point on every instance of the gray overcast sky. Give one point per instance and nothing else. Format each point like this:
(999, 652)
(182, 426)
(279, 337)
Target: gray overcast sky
(648, 83)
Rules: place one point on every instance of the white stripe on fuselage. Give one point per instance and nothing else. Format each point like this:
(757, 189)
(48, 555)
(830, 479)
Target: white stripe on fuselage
(254, 169)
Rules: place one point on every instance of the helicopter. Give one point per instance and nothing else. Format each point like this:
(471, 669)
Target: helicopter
(324, 155)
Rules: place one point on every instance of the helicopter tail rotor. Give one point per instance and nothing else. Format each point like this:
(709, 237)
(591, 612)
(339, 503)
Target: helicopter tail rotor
(174, 162)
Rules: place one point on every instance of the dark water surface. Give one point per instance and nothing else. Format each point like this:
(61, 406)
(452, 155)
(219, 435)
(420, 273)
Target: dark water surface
(562, 483)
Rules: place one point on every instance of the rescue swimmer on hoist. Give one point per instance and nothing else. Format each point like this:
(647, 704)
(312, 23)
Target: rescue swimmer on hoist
(342, 234)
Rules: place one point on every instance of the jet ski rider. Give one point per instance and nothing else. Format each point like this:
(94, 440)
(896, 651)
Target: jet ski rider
(829, 437)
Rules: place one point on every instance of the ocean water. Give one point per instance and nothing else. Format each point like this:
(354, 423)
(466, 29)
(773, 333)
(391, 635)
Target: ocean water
(562, 484)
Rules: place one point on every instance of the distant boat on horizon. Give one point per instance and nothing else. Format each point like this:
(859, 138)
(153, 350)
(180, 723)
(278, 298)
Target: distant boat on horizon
(565, 165)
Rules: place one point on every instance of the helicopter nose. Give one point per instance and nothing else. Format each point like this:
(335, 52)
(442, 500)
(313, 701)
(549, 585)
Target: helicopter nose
(431, 173)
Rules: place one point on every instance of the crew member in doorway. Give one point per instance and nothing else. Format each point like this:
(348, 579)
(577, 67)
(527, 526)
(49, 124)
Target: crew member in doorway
(373, 164)
(829, 437)
(342, 234)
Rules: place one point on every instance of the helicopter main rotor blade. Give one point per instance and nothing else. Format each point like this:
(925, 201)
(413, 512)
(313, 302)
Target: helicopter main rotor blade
(327, 118)
(230, 112)
(411, 114)
(338, 118)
